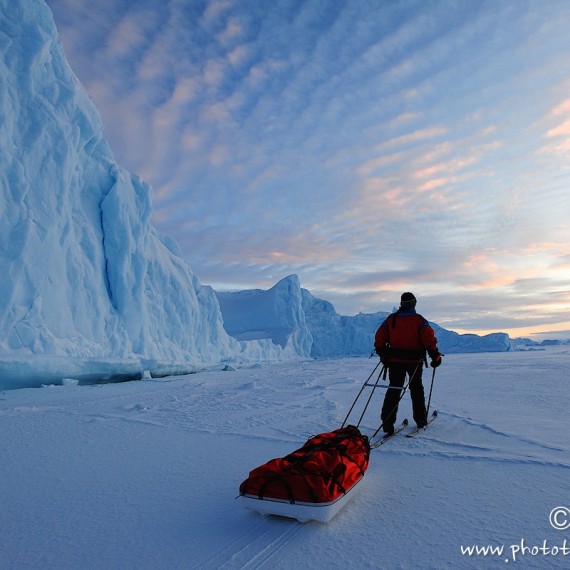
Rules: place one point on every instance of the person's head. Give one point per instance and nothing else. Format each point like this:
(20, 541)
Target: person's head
(408, 301)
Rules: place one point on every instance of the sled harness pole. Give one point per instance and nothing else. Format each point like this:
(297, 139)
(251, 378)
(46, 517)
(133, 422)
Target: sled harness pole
(361, 390)
(374, 386)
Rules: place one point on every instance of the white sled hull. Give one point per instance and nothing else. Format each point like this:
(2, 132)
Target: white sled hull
(303, 512)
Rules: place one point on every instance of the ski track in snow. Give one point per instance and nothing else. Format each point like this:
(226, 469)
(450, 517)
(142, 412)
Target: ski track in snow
(447, 437)
(256, 546)
(494, 431)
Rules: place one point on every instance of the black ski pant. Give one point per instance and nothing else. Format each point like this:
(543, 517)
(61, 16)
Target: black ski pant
(398, 371)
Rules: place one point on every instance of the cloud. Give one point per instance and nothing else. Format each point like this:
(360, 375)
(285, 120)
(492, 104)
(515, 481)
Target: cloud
(561, 130)
(214, 10)
(562, 108)
(131, 35)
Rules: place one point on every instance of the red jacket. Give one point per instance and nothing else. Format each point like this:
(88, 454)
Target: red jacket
(405, 336)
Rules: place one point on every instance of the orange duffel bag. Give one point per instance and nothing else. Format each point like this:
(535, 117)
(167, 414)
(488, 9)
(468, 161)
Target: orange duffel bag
(324, 469)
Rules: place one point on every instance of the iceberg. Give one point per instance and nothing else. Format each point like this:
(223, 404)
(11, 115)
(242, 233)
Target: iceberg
(287, 313)
(338, 335)
(275, 314)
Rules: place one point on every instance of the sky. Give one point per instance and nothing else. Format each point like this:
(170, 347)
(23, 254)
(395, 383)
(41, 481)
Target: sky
(371, 147)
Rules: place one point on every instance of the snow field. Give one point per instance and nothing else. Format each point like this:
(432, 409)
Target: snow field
(145, 474)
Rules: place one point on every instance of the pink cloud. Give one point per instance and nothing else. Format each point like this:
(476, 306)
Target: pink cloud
(384, 191)
(371, 165)
(420, 135)
(562, 109)
(433, 184)
(563, 129)
(430, 171)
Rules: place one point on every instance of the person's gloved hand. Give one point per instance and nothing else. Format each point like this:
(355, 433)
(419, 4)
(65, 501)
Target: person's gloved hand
(435, 356)
(382, 352)
(436, 362)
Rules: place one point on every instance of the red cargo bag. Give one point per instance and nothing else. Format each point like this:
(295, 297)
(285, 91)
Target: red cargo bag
(322, 471)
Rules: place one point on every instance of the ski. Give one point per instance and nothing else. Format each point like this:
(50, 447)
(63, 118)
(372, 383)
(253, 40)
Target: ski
(419, 429)
(385, 438)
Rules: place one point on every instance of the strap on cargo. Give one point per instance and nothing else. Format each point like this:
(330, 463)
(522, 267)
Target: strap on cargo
(332, 443)
(290, 495)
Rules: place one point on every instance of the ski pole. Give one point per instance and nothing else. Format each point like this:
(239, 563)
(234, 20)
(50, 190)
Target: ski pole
(430, 389)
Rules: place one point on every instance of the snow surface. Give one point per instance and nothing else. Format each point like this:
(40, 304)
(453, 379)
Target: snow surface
(144, 474)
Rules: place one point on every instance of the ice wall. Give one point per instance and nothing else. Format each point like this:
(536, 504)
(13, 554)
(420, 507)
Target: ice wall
(292, 316)
(336, 335)
(275, 314)
(452, 342)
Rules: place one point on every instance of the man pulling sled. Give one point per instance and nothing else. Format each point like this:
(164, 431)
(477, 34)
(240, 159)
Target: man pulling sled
(401, 342)
(315, 481)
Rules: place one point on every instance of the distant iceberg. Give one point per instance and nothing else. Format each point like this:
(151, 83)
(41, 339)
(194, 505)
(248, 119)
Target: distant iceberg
(276, 314)
(286, 309)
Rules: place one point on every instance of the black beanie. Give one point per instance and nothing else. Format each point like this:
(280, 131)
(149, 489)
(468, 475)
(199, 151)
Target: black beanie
(407, 300)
